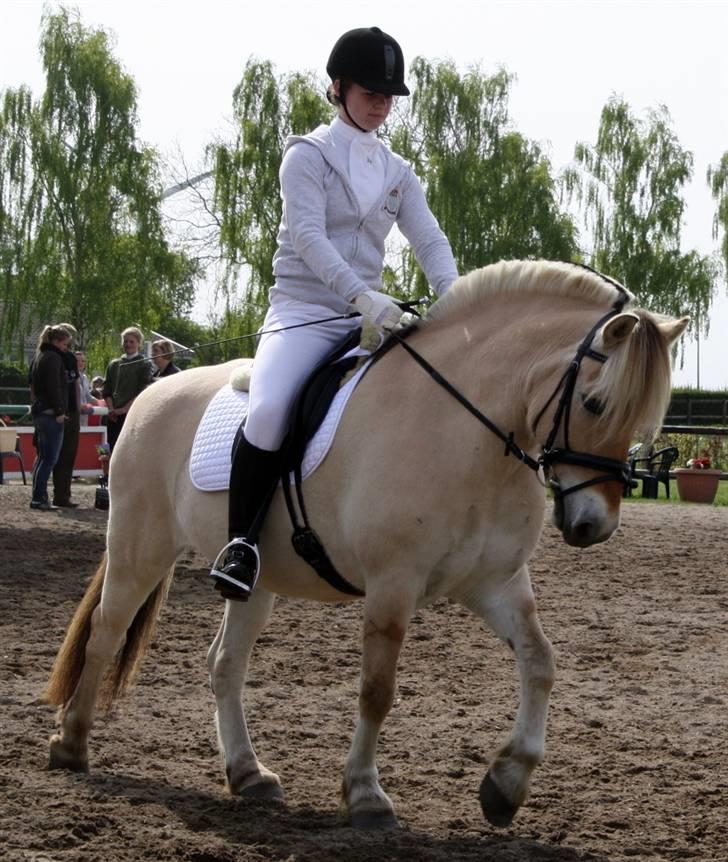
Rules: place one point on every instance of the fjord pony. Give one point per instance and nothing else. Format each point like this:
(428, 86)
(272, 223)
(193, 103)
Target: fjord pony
(415, 501)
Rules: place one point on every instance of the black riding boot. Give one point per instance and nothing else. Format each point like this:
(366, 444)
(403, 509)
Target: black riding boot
(253, 480)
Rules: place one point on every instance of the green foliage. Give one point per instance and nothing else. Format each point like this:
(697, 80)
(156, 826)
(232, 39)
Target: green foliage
(718, 181)
(490, 188)
(210, 343)
(267, 108)
(697, 446)
(13, 375)
(630, 187)
(692, 392)
(80, 230)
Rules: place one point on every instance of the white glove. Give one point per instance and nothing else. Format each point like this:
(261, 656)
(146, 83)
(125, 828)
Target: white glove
(378, 308)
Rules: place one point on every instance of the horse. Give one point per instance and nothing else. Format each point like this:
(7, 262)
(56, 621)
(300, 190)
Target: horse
(418, 499)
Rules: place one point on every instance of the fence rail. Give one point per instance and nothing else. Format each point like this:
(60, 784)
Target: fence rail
(688, 411)
(701, 430)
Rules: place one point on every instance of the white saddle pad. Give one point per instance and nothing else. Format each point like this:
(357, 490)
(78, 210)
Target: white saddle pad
(213, 443)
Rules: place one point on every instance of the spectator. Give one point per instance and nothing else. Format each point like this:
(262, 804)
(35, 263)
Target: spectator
(63, 470)
(87, 400)
(97, 387)
(97, 399)
(49, 386)
(126, 377)
(162, 356)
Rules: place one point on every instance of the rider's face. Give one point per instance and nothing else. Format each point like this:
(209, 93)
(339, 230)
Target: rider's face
(368, 110)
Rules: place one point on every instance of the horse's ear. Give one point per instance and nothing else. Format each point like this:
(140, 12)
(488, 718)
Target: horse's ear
(618, 328)
(672, 329)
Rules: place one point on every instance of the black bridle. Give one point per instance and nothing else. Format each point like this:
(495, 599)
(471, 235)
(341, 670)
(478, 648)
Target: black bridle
(611, 469)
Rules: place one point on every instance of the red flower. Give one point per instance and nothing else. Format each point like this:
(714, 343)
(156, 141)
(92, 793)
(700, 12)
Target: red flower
(699, 463)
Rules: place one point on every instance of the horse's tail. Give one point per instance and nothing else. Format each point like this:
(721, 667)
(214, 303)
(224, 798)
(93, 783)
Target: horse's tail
(71, 657)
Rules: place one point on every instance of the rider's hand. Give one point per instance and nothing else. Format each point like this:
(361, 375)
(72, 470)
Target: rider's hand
(378, 308)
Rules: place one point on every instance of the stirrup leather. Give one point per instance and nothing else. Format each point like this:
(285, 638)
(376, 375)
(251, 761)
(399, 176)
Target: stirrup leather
(238, 563)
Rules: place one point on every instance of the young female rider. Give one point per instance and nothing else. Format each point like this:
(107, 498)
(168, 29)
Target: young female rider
(342, 191)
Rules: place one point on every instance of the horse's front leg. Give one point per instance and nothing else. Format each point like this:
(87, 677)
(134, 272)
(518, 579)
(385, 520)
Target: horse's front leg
(227, 662)
(513, 617)
(386, 616)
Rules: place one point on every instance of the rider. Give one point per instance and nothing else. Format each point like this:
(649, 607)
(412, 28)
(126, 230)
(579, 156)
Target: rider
(342, 190)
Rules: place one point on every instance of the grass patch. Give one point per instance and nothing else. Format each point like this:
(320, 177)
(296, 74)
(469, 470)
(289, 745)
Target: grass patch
(721, 498)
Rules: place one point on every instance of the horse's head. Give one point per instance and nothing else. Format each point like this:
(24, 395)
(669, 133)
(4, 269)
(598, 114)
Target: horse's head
(614, 388)
(583, 374)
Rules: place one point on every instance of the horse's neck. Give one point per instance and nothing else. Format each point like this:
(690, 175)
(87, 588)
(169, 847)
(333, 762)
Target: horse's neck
(501, 356)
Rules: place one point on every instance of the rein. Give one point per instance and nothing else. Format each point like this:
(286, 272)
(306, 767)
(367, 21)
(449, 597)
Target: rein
(511, 447)
(614, 470)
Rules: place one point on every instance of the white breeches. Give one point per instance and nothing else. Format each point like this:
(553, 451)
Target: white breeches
(282, 363)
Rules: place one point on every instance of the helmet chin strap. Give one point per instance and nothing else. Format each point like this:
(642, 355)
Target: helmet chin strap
(342, 99)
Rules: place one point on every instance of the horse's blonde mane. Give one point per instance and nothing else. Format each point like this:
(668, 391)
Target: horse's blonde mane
(633, 385)
(545, 277)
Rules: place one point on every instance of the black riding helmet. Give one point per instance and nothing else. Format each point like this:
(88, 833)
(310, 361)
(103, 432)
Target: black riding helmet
(370, 58)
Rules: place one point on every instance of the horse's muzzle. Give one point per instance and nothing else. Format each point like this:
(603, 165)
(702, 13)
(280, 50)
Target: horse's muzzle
(582, 519)
(584, 532)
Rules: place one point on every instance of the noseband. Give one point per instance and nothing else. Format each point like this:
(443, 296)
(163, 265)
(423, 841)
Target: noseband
(611, 469)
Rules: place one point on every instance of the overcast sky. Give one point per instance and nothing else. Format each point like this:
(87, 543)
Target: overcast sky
(568, 58)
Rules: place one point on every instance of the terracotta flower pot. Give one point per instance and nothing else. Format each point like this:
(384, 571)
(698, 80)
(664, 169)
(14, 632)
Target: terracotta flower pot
(697, 486)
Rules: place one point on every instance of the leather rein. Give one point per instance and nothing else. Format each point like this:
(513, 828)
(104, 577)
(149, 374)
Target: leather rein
(611, 469)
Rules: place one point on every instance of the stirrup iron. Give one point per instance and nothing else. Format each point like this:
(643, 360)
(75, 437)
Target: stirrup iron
(236, 569)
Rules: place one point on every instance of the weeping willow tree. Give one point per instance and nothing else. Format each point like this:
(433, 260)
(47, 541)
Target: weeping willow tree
(490, 188)
(267, 108)
(630, 186)
(718, 182)
(80, 229)
(15, 206)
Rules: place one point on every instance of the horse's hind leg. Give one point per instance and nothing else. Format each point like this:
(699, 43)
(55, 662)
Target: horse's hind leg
(133, 580)
(386, 617)
(227, 661)
(512, 616)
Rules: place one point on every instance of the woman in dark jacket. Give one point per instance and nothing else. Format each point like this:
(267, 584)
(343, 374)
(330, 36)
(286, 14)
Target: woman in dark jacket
(162, 356)
(50, 405)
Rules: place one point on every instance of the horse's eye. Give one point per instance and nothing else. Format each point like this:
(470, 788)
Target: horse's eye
(592, 405)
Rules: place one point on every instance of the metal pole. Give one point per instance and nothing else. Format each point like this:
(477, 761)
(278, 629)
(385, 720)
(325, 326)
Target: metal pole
(187, 184)
(697, 341)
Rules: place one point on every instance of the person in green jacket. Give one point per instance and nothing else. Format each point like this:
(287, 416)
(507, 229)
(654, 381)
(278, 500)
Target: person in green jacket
(126, 377)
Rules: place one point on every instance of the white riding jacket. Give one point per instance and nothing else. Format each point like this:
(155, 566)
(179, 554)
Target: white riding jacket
(329, 251)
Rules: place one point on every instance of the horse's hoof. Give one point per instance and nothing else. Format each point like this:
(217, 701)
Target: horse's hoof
(497, 810)
(263, 791)
(62, 758)
(374, 820)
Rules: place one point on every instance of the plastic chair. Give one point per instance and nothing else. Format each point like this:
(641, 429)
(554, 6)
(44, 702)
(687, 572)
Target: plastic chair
(631, 456)
(10, 447)
(656, 471)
